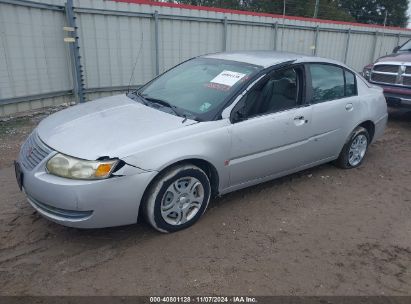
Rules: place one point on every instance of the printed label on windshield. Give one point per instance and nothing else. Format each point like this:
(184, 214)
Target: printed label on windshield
(228, 78)
(205, 106)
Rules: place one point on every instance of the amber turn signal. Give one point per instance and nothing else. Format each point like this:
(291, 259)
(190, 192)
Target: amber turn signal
(103, 170)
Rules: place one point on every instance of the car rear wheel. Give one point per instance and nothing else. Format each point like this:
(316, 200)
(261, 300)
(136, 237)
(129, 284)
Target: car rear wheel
(177, 198)
(354, 151)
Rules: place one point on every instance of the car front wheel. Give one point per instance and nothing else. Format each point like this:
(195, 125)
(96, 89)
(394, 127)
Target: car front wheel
(354, 150)
(177, 198)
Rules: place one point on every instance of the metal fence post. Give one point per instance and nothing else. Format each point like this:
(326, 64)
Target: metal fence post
(347, 45)
(275, 35)
(77, 69)
(156, 43)
(398, 39)
(317, 31)
(374, 47)
(225, 34)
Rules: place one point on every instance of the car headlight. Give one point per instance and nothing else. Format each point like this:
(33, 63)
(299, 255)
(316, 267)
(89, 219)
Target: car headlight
(75, 168)
(366, 73)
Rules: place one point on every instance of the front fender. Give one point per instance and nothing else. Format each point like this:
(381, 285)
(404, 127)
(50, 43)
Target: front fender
(208, 141)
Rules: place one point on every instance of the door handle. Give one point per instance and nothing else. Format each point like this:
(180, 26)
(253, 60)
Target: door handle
(299, 118)
(349, 106)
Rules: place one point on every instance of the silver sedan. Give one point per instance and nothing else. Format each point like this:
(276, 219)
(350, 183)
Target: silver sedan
(211, 125)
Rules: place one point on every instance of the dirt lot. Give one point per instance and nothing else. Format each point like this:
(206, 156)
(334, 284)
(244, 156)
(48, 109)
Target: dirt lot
(324, 231)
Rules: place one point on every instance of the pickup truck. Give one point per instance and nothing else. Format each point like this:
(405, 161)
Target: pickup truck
(393, 74)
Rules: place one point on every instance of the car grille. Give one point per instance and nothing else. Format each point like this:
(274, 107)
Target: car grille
(383, 78)
(407, 81)
(395, 74)
(386, 68)
(33, 151)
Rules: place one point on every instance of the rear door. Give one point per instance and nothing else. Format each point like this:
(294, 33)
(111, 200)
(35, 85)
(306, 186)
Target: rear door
(334, 106)
(272, 134)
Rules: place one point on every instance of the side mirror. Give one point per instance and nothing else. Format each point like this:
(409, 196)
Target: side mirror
(395, 50)
(227, 112)
(239, 114)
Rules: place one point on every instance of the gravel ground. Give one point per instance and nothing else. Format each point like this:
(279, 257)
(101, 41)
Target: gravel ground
(324, 231)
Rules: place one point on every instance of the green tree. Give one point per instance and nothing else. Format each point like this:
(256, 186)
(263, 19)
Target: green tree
(328, 9)
(374, 11)
(363, 11)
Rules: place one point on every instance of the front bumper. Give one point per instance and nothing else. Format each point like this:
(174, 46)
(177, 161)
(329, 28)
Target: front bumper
(396, 97)
(395, 101)
(86, 204)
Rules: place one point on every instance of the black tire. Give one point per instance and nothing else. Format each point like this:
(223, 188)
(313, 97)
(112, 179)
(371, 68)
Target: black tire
(156, 195)
(343, 159)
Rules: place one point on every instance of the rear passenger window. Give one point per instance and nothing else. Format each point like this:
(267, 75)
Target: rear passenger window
(350, 86)
(327, 82)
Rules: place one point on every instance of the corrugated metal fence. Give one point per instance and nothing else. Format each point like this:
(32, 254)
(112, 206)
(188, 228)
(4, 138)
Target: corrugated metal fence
(38, 68)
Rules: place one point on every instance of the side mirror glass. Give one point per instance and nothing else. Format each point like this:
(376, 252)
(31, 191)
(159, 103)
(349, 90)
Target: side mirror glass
(395, 50)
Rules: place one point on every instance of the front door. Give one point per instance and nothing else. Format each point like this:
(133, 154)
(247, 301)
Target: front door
(273, 128)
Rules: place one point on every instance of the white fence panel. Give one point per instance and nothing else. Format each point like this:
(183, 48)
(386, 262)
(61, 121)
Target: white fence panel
(249, 37)
(297, 41)
(181, 40)
(332, 45)
(110, 46)
(361, 50)
(115, 36)
(33, 56)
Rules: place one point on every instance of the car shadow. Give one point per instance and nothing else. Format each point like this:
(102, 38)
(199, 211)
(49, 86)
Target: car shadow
(402, 116)
(232, 197)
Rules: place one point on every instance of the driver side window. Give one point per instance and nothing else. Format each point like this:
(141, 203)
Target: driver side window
(279, 91)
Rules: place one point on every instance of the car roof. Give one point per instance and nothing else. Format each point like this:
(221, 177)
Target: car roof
(268, 58)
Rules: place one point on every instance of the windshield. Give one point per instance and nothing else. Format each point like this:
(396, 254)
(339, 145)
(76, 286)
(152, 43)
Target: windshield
(198, 86)
(406, 46)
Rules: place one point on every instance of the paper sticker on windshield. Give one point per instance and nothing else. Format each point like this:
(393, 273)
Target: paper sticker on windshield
(228, 78)
(205, 106)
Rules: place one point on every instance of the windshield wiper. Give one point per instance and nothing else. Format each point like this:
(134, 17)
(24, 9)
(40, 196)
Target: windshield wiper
(140, 98)
(164, 103)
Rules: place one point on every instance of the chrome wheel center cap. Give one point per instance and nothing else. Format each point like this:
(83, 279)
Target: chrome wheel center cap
(183, 200)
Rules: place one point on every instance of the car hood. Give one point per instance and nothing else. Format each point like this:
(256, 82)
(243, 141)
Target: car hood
(400, 57)
(103, 127)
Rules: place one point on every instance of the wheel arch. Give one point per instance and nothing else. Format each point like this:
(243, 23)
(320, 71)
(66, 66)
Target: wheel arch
(366, 124)
(370, 127)
(209, 169)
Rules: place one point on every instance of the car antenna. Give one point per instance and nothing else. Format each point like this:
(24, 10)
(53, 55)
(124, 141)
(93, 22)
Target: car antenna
(135, 64)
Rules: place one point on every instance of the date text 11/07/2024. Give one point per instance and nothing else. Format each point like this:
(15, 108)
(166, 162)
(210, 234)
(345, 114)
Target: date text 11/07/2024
(204, 299)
